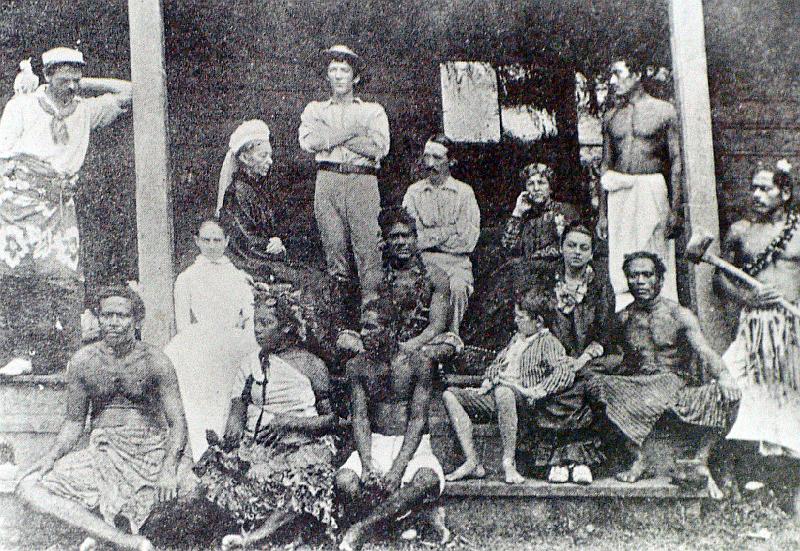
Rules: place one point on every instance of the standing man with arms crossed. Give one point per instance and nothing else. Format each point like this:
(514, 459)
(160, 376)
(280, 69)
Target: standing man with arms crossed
(764, 359)
(44, 136)
(348, 138)
(641, 145)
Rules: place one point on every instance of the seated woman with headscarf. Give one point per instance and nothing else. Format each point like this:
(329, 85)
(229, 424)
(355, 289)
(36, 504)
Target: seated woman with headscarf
(274, 463)
(246, 210)
(532, 239)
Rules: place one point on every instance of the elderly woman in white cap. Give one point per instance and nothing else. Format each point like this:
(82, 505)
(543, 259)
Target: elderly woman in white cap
(248, 219)
(247, 216)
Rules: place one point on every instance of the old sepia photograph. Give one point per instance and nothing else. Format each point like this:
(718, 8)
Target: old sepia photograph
(399, 275)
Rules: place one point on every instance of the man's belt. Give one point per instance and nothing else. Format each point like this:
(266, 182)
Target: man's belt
(346, 168)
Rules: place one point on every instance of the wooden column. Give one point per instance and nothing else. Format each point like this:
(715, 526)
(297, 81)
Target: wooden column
(687, 37)
(153, 182)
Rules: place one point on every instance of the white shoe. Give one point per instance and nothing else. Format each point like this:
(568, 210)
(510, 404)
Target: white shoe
(558, 475)
(89, 544)
(581, 474)
(17, 366)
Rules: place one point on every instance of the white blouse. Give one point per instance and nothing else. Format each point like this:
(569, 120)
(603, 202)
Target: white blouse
(215, 293)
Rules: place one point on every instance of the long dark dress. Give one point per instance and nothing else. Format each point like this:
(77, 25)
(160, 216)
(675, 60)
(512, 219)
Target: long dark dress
(564, 420)
(249, 222)
(531, 244)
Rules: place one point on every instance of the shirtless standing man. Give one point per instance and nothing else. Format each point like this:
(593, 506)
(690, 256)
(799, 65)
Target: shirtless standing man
(133, 460)
(641, 145)
(764, 359)
(390, 385)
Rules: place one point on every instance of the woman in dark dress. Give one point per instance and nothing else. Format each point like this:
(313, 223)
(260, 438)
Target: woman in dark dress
(247, 215)
(531, 238)
(582, 308)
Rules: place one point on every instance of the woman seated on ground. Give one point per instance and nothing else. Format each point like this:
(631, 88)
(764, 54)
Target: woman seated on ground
(534, 375)
(214, 318)
(532, 236)
(274, 464)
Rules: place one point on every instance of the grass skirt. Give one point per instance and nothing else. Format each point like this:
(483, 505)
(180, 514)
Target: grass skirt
(252, 481)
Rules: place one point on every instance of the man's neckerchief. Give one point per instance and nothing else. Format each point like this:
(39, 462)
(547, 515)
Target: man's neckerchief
(773, 251)
(58, 128)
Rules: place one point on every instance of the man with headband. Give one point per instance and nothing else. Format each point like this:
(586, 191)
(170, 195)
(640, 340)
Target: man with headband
(348, 138)
(764, 359)
(44, 137)
(448, 223)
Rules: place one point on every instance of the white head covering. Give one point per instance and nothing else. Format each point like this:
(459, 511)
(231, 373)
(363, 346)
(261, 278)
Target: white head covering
(62, 55)
(247, 132)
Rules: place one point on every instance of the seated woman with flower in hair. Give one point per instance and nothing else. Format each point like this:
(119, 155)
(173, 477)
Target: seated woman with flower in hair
(274, 463)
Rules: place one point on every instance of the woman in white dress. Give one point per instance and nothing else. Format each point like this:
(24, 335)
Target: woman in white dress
(214, 317)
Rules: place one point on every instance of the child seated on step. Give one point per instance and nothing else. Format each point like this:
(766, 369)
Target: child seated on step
(533, 376)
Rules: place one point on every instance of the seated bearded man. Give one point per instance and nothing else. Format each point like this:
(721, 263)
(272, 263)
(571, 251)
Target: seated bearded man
(393, 469)
(658, 337)
(133, 459)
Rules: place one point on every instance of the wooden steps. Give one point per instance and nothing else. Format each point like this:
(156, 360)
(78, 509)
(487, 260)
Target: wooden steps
(494, 487)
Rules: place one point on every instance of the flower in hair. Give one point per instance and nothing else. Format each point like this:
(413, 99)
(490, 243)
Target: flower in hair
(784, 166)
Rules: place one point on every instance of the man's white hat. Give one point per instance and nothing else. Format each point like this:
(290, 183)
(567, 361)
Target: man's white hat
(340, 49)
(62, 55)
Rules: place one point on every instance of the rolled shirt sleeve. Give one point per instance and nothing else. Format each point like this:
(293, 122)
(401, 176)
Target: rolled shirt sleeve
(103, 110)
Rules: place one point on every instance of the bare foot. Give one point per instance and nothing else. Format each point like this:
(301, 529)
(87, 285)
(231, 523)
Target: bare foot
(512, 475)
(634, 473)
(232, 541)
(351, 540)
(470, 469)
(437, 518)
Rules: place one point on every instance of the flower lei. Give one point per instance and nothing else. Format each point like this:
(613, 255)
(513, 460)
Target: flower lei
(392, 317)
(566, 297)
(771, 253)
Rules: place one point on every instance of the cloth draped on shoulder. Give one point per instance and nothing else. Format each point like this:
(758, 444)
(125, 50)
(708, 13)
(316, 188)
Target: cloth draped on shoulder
(638, 207)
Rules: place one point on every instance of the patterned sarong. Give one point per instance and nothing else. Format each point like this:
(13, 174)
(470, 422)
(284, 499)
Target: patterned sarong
(764, 359)
(635, 403)
(116, 473)
(38, 222)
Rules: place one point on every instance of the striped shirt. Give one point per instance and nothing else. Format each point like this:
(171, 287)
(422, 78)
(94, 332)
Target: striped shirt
(543, 363)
